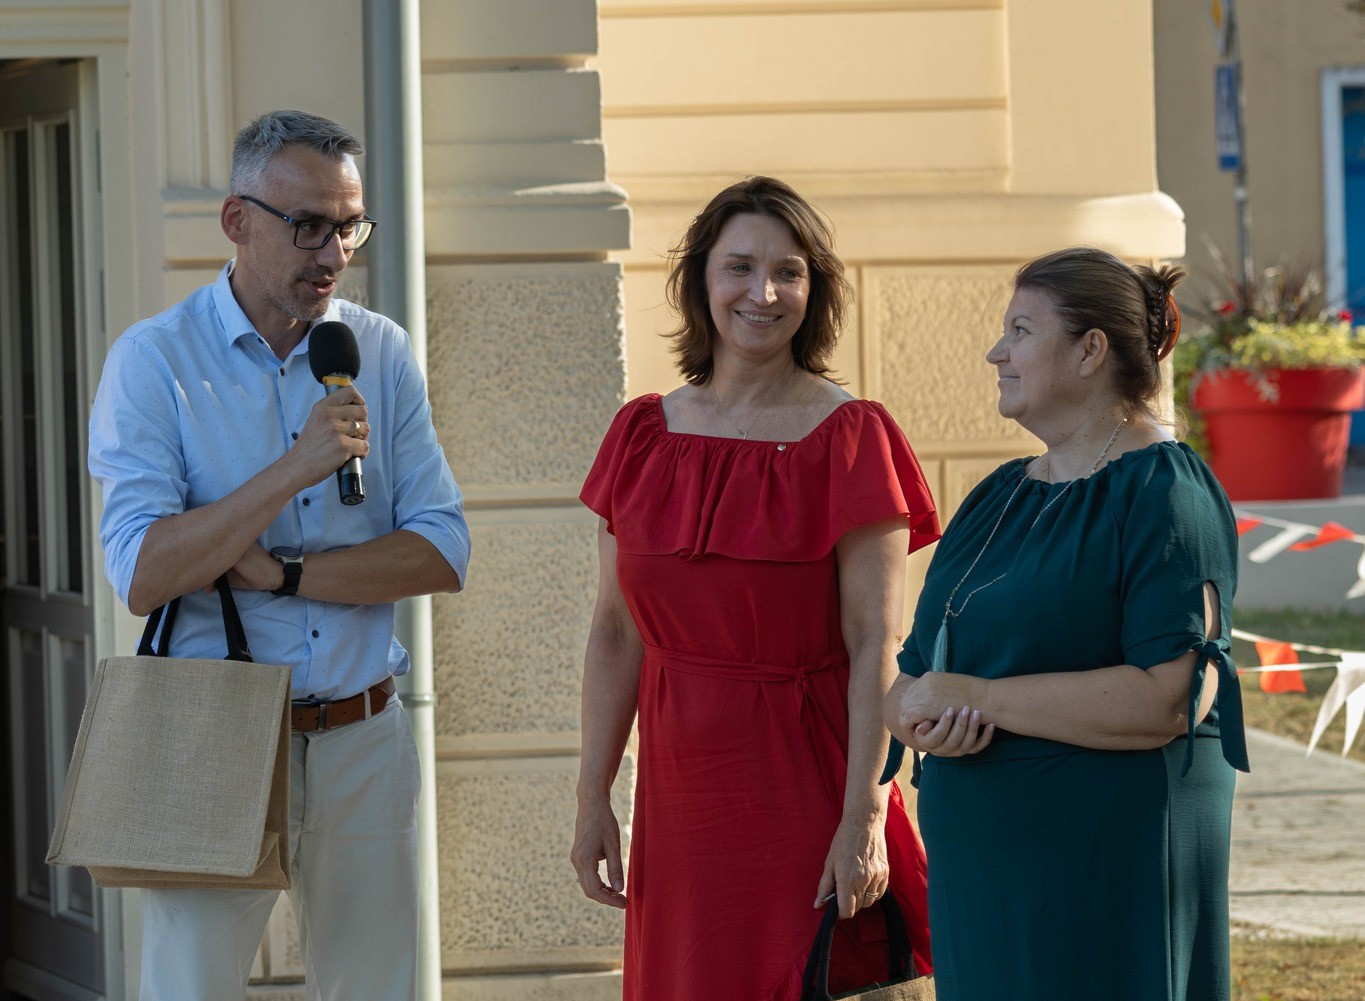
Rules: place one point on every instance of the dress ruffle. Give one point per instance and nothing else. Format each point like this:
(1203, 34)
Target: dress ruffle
(797, 499)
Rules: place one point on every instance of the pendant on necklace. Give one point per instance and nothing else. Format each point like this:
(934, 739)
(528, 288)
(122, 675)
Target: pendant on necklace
(939, 660)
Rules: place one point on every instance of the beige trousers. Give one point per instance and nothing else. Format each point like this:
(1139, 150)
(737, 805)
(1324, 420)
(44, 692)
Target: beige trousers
(353, 843)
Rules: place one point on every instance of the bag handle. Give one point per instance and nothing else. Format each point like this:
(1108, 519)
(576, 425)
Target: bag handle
(237, 648)
(815, 981)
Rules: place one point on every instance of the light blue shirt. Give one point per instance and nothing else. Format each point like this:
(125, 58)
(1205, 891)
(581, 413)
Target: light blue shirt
(193, 403)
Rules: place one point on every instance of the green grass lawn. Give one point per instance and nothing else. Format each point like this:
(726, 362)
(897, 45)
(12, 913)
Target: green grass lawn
(1274, 969)
(1266, 968)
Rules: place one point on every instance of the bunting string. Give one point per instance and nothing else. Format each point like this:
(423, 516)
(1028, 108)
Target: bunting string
(1242, 634)
(1280, 666)
(1346, 691)
(1299, 537)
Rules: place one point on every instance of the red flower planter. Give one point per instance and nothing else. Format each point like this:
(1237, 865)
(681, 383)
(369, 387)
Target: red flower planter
(1291, 447)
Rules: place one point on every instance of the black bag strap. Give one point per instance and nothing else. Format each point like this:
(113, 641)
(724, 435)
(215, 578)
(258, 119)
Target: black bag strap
(237, 648)
(815, 981)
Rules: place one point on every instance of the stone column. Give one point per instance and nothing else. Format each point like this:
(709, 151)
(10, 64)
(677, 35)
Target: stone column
(526, 364)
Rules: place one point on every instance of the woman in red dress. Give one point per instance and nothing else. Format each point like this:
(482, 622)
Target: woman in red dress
(755, 523)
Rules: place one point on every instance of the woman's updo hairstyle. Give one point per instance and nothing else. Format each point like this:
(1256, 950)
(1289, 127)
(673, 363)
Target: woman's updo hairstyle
(1132, 305)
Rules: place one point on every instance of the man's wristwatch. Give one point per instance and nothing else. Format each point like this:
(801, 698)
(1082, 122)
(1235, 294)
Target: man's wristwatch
(292, 561)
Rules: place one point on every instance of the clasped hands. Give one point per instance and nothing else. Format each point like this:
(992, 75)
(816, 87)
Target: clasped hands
(935, 714)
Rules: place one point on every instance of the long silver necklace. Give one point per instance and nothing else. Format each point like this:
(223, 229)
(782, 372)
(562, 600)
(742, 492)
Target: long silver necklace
(940, 653)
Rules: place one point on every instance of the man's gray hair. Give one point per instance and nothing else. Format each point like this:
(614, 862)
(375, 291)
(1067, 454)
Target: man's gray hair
(258, 142)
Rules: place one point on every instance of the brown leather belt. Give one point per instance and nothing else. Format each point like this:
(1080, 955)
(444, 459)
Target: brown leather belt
(309, 717)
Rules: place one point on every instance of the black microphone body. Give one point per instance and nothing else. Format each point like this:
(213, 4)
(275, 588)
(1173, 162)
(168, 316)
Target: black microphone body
(334, 357)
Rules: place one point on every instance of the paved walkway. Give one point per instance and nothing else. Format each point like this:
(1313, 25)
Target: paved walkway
(1298, 841)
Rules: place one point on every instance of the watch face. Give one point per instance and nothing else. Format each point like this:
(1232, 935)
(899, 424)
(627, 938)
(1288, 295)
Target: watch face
(292, 561)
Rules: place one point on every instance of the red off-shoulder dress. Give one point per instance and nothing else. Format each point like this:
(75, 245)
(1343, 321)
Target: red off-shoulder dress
(725, 555)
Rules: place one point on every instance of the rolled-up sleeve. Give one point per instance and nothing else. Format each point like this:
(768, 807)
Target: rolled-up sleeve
(135, 455)
(426, 500)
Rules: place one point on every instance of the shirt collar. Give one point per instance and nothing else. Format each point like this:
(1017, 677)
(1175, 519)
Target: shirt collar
(234, 320)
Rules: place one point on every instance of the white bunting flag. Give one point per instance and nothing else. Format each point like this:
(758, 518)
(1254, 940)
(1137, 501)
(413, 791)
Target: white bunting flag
(1271, 548)
(1349, 690)
(1358, 588)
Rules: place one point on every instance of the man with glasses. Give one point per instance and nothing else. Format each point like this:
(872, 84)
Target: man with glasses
(215, 449)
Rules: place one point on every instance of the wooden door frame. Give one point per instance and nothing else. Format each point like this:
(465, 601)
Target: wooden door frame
(1334, 80)
(108, 304)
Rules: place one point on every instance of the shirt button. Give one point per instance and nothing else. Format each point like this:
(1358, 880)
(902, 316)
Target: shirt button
(281, 371)
(315, 634)
(296, 436)
(306, 502)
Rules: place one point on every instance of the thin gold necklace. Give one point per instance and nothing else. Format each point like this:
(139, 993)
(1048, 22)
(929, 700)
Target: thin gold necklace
(940, 653)
(723, 414)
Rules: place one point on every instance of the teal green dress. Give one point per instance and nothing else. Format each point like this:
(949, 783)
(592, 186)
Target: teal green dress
(1056, 872)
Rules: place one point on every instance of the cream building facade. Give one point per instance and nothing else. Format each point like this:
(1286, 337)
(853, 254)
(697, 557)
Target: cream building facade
(566, 144)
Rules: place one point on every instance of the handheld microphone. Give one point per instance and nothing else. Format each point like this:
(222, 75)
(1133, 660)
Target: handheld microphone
(334, 357)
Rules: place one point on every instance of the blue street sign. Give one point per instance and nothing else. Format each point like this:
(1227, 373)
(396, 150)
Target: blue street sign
(1227, 121)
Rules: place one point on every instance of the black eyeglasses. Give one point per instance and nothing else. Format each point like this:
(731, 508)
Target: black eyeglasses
(314, 234)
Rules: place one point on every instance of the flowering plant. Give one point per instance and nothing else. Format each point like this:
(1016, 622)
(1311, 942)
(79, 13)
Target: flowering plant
(1257, 320)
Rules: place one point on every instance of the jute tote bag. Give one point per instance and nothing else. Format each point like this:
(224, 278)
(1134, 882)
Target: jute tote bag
(180, 774)
(903, 982)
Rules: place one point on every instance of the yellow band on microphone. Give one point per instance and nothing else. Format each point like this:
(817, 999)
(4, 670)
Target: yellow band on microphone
(336, 380)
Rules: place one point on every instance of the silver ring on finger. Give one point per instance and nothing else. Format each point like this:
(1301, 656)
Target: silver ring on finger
(355, 429)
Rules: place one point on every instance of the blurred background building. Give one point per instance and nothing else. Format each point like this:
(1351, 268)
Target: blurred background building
(1303, 78)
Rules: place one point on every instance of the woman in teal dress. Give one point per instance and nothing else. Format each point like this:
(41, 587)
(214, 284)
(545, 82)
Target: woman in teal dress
(1068, 678)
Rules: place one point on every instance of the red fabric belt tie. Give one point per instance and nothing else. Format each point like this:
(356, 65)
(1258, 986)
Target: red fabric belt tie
(826, 743)
(694, 664)
(308, 717)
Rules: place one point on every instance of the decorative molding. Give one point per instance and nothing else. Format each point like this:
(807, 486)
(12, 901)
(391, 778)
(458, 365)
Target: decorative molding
(53, 31)
(601, 985)
(482, 746)
(504, 64)
(804, 108)
(694, 189)
(524, 501)
(581, 959)
(573, 194)
(952, 229)
(505, 763)
(197, 84)
(645, 8)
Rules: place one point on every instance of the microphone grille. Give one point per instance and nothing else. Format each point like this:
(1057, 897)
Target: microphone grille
(332, 350)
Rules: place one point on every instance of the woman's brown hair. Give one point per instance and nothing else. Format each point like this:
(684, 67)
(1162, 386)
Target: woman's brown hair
(830, 292)
(1092, 289)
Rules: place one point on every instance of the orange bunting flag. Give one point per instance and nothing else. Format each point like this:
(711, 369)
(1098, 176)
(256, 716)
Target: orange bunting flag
(1330, 532)
(1245, 525)
(1273, 652)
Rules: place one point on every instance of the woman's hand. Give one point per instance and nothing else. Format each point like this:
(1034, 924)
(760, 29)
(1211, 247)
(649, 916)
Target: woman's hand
(958, 732)
(597, 838)
(932, 714)
(911, 701)
(856, 869)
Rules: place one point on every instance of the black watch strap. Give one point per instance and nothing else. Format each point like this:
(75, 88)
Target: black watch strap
(293, 570)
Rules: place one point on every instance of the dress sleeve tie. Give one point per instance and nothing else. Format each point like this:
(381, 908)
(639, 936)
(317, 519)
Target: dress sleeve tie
(1231, 730)
(894, 756)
